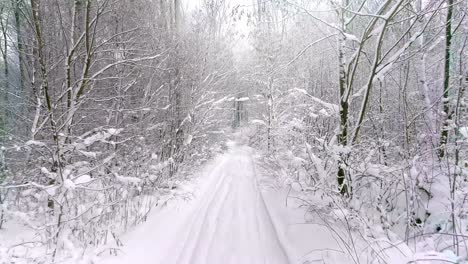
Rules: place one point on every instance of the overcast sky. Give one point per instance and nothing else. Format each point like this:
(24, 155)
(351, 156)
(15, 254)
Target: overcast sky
(190, 4)
(242, 45)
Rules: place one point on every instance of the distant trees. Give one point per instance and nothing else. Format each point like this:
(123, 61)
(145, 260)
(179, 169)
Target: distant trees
(4, 49)
(12, 65)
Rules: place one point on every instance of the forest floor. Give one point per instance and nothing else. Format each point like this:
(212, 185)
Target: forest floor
(230, 214)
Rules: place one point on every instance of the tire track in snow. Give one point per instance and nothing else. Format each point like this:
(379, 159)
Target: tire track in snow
(227, 223)
(196, 229)
(210, 223)
(267, 216)
(232, 224)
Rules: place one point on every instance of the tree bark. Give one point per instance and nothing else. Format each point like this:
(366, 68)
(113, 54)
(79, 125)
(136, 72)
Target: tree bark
(19, 43)
(6, 73)
(445, 96)
(344, 107)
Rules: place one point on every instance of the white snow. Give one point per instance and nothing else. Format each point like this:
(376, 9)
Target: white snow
(464, 131)
(233, 218)
(242, 99)
(69, 185)
(82, 179)
(35, 142)
(351, 37)
(258, 121)
(127, 180)
(188, 140)
(227, 222)
(333, 107)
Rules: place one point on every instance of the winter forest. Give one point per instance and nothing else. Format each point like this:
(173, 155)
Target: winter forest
(233, 131)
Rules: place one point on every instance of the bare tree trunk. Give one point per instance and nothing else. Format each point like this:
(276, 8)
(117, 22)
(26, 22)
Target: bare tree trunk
(457, 111)
(270, 112)
(424, 80)
(19, 43)
(36, 20)
(6, 74)
(447, 112)
(342, 137)
(176, 14)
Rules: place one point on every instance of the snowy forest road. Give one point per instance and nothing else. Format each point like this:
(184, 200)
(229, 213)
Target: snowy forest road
(227, 222)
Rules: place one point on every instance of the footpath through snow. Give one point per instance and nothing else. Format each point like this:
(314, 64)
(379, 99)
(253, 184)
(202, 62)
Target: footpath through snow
(230, 220)
(226, 222)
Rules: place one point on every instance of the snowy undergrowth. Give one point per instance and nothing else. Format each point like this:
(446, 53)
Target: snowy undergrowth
(83, 209)
(399, 213)
(226, 221)
(316, 228)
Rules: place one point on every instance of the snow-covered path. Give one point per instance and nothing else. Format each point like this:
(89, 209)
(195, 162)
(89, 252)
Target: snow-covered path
(226, 222)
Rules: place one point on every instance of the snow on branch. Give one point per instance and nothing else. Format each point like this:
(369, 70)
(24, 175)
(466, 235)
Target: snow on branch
(332, 107)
